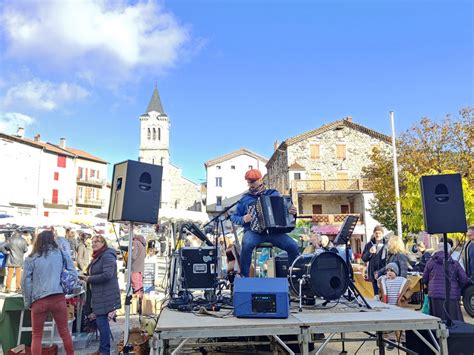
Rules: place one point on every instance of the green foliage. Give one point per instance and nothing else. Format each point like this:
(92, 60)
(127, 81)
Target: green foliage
(426, 149)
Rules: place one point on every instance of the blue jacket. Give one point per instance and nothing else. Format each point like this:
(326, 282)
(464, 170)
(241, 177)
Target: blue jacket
(105, 291)
(42, 275)
(243, 206)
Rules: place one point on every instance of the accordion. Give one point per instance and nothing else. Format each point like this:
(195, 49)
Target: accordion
(270, 215)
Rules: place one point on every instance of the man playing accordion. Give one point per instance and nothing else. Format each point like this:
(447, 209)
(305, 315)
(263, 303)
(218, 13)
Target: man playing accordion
(243, 216)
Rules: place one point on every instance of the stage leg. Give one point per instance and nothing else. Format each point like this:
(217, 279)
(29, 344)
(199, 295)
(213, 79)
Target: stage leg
(380, 343)
(443, 339)
(304, 341)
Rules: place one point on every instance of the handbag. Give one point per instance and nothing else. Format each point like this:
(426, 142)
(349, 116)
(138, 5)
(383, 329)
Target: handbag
(68, 279)
(426, 305)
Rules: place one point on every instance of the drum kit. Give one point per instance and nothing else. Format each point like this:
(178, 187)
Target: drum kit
(324, 275)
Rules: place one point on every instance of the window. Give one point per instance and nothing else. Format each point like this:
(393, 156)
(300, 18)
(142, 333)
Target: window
(46, 213)
(218, 200)
(92, 172)
(314, 151)
(159, 133)
(218, 167)
(232, 167)
(54, 198)
(148, 135)
(340, 151)
(81, 192)
(93, 194)
(297, 176)
(61, 161)
(154, 134)
(218, 181)
(80, 172)
(250, 167)
(56, 176)
(161, 161)
(344, 209)
(317, 209)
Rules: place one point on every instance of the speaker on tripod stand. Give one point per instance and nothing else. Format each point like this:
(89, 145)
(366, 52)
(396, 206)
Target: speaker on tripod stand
(134, 198)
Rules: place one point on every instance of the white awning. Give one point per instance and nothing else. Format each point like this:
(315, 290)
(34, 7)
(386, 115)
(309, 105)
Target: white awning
(175, 215)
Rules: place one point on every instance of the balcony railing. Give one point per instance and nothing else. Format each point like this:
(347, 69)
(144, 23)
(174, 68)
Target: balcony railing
(90, 180)
(90, 202)
(57, 203)
(330, 185)
(332, 218)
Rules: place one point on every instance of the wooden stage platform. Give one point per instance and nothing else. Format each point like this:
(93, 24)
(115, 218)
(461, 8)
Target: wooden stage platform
(181, 328)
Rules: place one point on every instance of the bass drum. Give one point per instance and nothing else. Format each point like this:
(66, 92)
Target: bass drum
(297, 270)
(327, 275)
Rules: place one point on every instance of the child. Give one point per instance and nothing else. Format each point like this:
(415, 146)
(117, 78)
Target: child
(394, 290)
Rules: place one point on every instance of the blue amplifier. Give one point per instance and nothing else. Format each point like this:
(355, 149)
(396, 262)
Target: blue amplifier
(261, 297)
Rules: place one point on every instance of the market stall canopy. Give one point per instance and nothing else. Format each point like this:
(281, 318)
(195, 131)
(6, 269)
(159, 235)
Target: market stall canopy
(176, 215)
(37, 221)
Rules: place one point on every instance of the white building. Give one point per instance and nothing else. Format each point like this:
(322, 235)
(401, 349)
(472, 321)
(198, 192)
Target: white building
(45, 179)
(37, 178)
(176, 190)
(225, 177)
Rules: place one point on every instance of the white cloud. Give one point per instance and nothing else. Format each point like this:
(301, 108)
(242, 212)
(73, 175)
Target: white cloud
(94, 36)
(42, 95)
(10, 121)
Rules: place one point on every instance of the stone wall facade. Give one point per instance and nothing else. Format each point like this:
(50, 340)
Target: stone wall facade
(185, 194)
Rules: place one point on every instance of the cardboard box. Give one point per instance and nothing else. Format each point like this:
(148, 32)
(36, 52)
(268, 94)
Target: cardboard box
(151, 305)
(133, 305)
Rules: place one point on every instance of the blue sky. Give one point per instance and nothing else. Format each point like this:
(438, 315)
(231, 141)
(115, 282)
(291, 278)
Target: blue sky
(230, 74)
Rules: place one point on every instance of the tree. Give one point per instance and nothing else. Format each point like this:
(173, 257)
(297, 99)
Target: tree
(426, 148)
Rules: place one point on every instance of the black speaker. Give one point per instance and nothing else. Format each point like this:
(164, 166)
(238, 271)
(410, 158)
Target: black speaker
(135, 193)
(443, 204)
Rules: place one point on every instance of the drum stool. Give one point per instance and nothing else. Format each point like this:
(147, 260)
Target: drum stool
(270, 261)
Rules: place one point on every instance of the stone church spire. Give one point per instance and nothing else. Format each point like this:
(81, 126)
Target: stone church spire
(155, 102)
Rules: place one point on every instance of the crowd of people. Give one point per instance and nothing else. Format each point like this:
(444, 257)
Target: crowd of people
(91, 260)
(38, 263)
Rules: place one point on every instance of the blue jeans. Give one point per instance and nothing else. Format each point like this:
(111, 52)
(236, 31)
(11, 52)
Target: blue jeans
(252, 239)
(102, 321)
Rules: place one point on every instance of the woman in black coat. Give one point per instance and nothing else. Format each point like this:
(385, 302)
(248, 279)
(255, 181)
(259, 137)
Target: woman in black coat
(105, 291)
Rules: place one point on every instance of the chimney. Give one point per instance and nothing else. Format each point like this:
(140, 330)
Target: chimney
(37, 137)
(275, 145)
(349, 118)
(62, 143)
(20, 132)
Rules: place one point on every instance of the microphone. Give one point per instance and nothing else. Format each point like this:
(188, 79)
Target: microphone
(191, 227)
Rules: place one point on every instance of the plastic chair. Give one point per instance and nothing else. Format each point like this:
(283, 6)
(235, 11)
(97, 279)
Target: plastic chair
(270, 261)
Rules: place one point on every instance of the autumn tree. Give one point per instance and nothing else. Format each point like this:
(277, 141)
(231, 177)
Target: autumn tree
(427, 148)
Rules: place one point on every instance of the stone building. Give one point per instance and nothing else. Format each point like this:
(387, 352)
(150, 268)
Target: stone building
(322, 170)
(176, 191)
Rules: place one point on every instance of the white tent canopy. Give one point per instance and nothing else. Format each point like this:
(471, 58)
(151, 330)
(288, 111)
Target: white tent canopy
(175, 215)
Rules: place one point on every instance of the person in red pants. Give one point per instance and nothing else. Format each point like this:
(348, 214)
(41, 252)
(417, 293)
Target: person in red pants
(42, 290)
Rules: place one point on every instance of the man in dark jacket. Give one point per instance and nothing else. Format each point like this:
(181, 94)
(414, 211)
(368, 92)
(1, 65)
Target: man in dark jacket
(375, 254)
(15, 248)
(251, 239)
